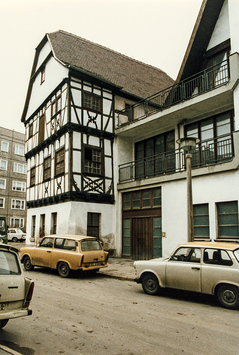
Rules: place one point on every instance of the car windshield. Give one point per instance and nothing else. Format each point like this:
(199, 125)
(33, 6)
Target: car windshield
(9, 264)
(236, 253)
(88, 245)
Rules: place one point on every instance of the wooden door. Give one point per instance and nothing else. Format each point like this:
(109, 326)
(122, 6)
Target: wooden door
(142, 238)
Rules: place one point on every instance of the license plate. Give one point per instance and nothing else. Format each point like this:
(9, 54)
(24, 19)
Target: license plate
(2, 306)
(94, 264)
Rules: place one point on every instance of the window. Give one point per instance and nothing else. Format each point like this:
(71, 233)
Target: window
(17, 222)
(33, 227)
(215, 139)
(47, 169)
(187, 254)
(89, 245)
(33, 176)
(19, 149)
(9, 264)
(55, 105)
(93, 224)
(60, 162)
(201, 221)
(30, 130)
(53, 222)
(155, 156)
(3, 164)
(228, 220)
(2, 183)
(4, 146)
(217, 257)
(2, 202)
(142, 199)
(18, 204)
(92, 102)
(20, 168)
(92, 162)
(43, 75)
(19, 186)
(41, 129)
(126, 237)
(47, 243)
(42, 225)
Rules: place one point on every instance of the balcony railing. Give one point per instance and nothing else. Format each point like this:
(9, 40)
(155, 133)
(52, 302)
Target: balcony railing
(204, 81)
(209, 152)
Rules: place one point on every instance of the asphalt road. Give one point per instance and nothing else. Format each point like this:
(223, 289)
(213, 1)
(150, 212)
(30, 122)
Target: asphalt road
(99, 315)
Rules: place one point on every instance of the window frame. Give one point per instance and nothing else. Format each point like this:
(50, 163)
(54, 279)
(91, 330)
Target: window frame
(7, 146)
(16, 167)
(60, 165)
(15, 201)
(1, 166)
(3, 202)
(91, 106)
(4, 184)
(95, 166)
(22, 188)
(33, 176)
(47, 170)
(93, 226)
(18, 148)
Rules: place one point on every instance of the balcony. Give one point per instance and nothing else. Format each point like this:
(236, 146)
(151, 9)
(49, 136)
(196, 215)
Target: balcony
(202, 82)
(207, 153)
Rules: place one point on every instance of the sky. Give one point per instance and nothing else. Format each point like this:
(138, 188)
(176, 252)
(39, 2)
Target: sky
(155, 32)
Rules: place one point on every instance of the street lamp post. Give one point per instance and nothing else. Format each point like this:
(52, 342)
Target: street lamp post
(188, 144)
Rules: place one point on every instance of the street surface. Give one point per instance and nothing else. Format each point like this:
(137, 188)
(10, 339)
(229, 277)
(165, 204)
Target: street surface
(100, 315)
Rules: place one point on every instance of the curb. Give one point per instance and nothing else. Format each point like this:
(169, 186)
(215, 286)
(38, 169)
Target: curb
(5, 350)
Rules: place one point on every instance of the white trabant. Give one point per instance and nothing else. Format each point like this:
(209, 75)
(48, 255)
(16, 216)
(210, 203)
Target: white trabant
(15, 290)
(205, 267)
(65, 253)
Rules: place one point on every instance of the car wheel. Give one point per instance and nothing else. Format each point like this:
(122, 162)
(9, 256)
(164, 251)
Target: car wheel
(63, 269)
(14, 240)
(27, 264)
(228, 296)
(150, 284)
(3, 322)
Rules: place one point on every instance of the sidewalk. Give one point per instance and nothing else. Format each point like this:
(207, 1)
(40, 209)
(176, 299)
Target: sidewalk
(119, 268)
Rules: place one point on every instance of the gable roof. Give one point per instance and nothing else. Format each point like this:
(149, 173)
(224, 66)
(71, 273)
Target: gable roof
(198, 43)
(132, 76)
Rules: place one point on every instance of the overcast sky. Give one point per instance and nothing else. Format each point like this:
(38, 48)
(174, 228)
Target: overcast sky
(153, 31)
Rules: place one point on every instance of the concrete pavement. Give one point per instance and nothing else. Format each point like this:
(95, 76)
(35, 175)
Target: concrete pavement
(119, 268)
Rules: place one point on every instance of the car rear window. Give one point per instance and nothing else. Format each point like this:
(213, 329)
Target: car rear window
(88, 245)
(9, 264)
(236, 253)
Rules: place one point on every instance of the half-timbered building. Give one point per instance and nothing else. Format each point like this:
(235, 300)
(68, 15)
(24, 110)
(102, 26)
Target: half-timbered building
(75, 89)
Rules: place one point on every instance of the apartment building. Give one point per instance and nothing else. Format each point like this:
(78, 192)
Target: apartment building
(13, 178)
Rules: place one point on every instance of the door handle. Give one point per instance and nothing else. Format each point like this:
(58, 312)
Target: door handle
(196, 268)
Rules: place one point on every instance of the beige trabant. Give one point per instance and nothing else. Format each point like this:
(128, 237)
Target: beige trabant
(205, 267)
(65, 253)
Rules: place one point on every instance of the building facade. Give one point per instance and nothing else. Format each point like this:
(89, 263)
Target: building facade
(13, 177)
(103, 160)
(203, 104)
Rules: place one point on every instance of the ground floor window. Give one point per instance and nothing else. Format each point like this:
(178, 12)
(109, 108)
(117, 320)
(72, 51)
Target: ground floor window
(201, 221)
(17, 222)
(42, 225)
(53, 222)
(228, 220)
(126, 237)
(93, 224)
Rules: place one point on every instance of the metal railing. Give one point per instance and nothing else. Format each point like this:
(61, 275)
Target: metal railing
(204, 81)
(208, 152)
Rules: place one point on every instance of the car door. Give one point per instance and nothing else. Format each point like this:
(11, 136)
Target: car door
(11, 281)
(183, 270)
(43, 253)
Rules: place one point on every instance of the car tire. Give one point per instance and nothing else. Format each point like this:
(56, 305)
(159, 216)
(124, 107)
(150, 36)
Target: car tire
(228, 296)
(14, 240)
(3, 322)
(150, 284)
(27, 264)
(63, 269)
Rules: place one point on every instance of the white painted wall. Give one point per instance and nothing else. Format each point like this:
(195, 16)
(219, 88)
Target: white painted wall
(233, 10)
(54, 74)
(222, 29)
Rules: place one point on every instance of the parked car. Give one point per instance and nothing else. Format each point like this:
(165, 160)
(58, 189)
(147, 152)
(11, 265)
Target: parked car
(65, 253)
(16, 235)
(15, 290)
(207, 267)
